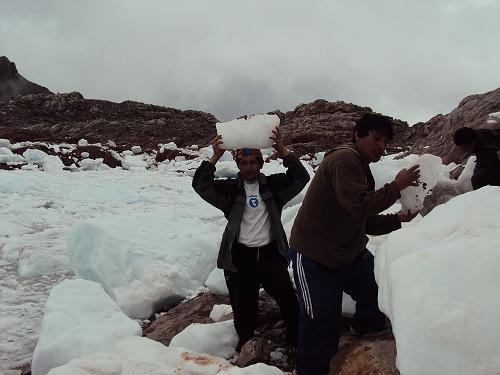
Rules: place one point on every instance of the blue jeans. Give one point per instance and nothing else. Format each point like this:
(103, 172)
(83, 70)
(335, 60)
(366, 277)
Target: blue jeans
(320, 292)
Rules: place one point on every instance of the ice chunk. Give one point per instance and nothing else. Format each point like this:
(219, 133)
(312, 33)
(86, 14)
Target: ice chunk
(136, 149)
(80, 319)
(412, 198)
(83, 142)
(218, 339)
(93, 164)
(138, 355)
(217, 283)
(253, 132)
(7, 156)
(43, 160)
(144, 267)
(219, 312)
(5, 143)
(170, 146)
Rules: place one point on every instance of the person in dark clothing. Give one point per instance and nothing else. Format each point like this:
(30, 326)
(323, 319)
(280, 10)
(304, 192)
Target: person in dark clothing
(485, 144)
(328, 242)
(254, 246)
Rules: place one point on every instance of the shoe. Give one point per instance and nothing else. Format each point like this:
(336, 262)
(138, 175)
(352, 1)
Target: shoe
(387, 329)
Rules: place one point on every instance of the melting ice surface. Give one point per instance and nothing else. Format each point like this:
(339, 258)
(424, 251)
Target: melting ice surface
(146, 238)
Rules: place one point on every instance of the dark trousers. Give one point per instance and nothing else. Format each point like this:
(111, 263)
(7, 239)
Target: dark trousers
(482, 177)
(320, 297)
(260, 266)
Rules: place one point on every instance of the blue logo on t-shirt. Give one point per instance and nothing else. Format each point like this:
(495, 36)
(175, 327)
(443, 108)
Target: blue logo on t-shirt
(253, 201)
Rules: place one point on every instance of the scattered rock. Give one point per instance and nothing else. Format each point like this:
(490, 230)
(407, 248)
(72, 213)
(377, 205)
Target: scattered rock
(254, 351)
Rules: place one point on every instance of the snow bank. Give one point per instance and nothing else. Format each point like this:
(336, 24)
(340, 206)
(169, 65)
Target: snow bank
(138, 355)
(145, 261)
(438, 280)
(253, 132)
(218, 339)
(80, 319)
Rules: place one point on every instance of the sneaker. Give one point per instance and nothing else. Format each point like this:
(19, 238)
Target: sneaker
(385, 330)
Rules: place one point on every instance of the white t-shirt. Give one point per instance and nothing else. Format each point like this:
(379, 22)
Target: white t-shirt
(255, 228)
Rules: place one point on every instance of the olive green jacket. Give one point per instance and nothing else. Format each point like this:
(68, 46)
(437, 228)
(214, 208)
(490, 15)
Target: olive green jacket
(340, 208)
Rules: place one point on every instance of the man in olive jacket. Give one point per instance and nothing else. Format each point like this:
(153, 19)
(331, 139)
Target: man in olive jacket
(328, 242)
(254, 246)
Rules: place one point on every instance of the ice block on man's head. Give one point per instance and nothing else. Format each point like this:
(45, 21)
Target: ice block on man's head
(253, 132)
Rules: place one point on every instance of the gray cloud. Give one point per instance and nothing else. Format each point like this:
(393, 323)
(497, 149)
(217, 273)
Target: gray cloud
(406, 59)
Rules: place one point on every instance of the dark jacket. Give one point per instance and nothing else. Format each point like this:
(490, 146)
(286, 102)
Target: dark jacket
(487, 149)
(340, 208)
(229, 196)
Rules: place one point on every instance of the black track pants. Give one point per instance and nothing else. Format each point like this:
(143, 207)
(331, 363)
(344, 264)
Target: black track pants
(320, 294)
(260, 266)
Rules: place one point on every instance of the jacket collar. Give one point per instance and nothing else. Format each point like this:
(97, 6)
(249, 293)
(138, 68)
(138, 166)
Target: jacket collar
(352, 147)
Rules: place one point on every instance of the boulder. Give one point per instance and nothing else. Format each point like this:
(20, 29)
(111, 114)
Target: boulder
(373, 354)
(254, 351)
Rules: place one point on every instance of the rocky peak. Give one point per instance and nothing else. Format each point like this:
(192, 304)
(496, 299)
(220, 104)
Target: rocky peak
(8, 69)
(13, 84)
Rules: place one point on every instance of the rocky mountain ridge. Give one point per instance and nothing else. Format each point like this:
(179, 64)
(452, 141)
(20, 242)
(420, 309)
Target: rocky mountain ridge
(309, 128)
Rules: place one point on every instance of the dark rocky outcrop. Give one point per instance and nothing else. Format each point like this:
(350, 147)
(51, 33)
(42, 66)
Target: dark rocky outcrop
(69, 117)
(309, 128)
(321, 125)
(13, 84)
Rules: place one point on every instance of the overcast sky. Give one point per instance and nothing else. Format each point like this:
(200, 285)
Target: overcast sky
(408, 59)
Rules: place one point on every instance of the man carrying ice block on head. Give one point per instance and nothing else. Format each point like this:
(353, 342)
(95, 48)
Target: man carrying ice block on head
(254, 247)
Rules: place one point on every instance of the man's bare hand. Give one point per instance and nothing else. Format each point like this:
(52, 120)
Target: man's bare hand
(408, 177)
(278, 145)
(218, 152)
(409, 216)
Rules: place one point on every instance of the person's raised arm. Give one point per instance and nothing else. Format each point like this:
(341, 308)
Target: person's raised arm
(214, 192)
(218, 152)
(278, 145)
(296, 176)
